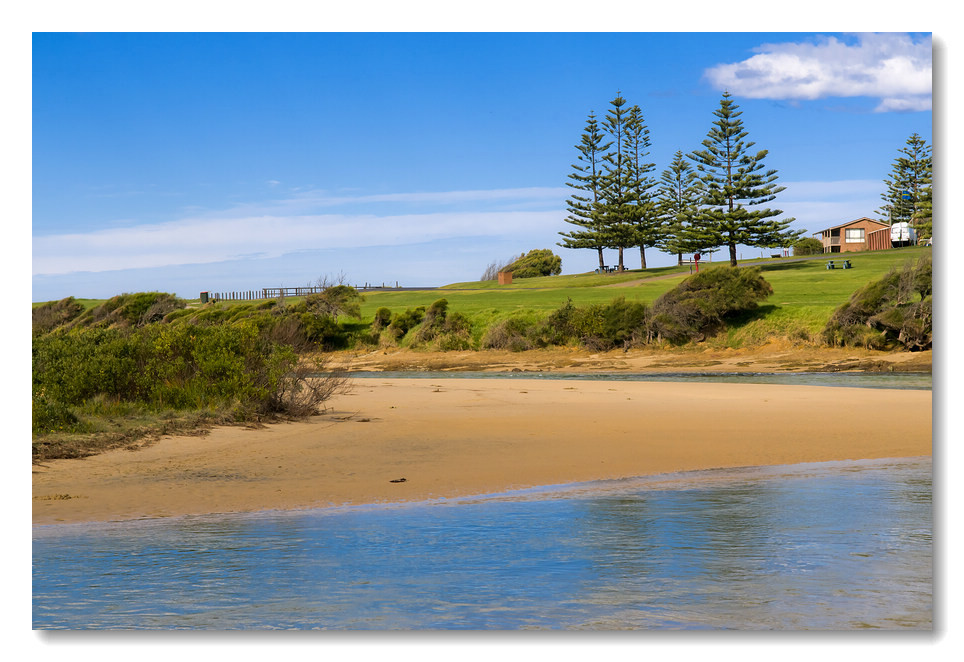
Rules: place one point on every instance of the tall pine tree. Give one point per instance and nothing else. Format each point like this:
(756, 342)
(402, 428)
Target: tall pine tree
(645, 212)
(618, 182)
(735, 184)
(907, 198)
(678, 201)
(585, 206)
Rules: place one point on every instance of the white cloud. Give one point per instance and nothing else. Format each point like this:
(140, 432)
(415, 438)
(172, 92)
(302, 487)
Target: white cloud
(220, 238)
(894, 68)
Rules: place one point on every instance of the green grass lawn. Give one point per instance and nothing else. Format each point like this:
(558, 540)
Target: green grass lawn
(805, 293)
(796, 282)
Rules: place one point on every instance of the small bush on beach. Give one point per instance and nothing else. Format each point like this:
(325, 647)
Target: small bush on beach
(237, 370)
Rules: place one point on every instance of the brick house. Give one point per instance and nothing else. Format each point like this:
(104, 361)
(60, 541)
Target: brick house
(852, 236)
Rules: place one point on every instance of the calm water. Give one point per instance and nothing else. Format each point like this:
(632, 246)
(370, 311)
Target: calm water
(842, 545)
(890, 380)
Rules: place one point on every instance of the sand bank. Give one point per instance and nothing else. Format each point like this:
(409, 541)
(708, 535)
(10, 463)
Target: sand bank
(775, 356)
(457, 437)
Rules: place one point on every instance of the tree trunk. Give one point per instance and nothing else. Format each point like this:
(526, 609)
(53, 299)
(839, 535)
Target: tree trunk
(642, 256)
(732, 254)
(679, 259)
(621, 267)
(601, 262)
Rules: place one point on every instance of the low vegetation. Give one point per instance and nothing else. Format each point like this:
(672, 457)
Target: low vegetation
(109, 373)
(150, 357)
(893, 312)
(808, 246)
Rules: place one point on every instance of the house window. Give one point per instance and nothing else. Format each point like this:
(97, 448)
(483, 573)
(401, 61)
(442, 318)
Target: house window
(854, 236)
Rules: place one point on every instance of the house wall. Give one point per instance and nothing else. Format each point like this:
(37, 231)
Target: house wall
(879, 240)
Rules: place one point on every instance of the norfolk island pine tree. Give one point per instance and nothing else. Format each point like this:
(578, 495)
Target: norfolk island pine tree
(585, 209)
(908, 187)
(645, 211)
(618, 228)
(678, 200)
(734, 184)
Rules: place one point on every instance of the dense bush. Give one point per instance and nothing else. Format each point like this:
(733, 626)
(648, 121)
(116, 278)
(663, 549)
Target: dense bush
(444, 330)
(895, 311)
(699, 305)
(538, 262)
(52, 314)
(334, 301)
(404, 322)
(514, 334)
(232, 368)
(808, 246)
(131, 310)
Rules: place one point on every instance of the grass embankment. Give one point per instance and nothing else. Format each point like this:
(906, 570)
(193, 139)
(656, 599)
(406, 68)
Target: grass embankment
(805, 295)
(107, 373)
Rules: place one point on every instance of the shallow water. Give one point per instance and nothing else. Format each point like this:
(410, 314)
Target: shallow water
(890, 380)
(825, 546)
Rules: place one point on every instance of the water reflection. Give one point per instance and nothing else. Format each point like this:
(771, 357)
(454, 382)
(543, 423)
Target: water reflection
(826, 546)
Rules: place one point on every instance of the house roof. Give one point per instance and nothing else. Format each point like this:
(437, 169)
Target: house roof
(856, 220)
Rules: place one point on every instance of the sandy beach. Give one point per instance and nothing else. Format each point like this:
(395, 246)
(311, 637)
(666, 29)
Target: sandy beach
(455, 437)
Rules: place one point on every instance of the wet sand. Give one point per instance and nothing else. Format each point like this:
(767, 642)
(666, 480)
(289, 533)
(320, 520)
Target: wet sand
(457, 437)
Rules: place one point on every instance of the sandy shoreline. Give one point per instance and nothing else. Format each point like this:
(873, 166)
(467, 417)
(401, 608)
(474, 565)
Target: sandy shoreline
(457, 437)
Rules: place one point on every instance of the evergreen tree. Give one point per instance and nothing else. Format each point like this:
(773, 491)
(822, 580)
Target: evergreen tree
(618, 182)
(735, 184)
(679, 206)
(645, 212)
(585, 207)
(907, 198)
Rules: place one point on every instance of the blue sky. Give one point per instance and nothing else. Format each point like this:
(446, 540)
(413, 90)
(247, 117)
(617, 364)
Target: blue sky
(185, 162)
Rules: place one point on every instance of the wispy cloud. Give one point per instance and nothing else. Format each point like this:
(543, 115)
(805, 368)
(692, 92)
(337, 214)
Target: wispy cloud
(284, 226)
(894, 68)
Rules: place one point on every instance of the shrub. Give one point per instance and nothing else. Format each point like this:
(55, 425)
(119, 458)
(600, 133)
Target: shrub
(559, 327)
(402, 323)
(808, 246)
(129, 310)
(447, 331)
(334, 301)
(52, 314)
(538, 262)
(383, 317)
(896, 310)
(699, 305)
(513, 334)
(53, 416)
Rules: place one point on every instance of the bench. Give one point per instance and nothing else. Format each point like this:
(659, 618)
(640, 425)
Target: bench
(846, 265)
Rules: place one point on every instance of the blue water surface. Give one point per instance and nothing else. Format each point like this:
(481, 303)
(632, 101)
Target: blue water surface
(825, 546)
